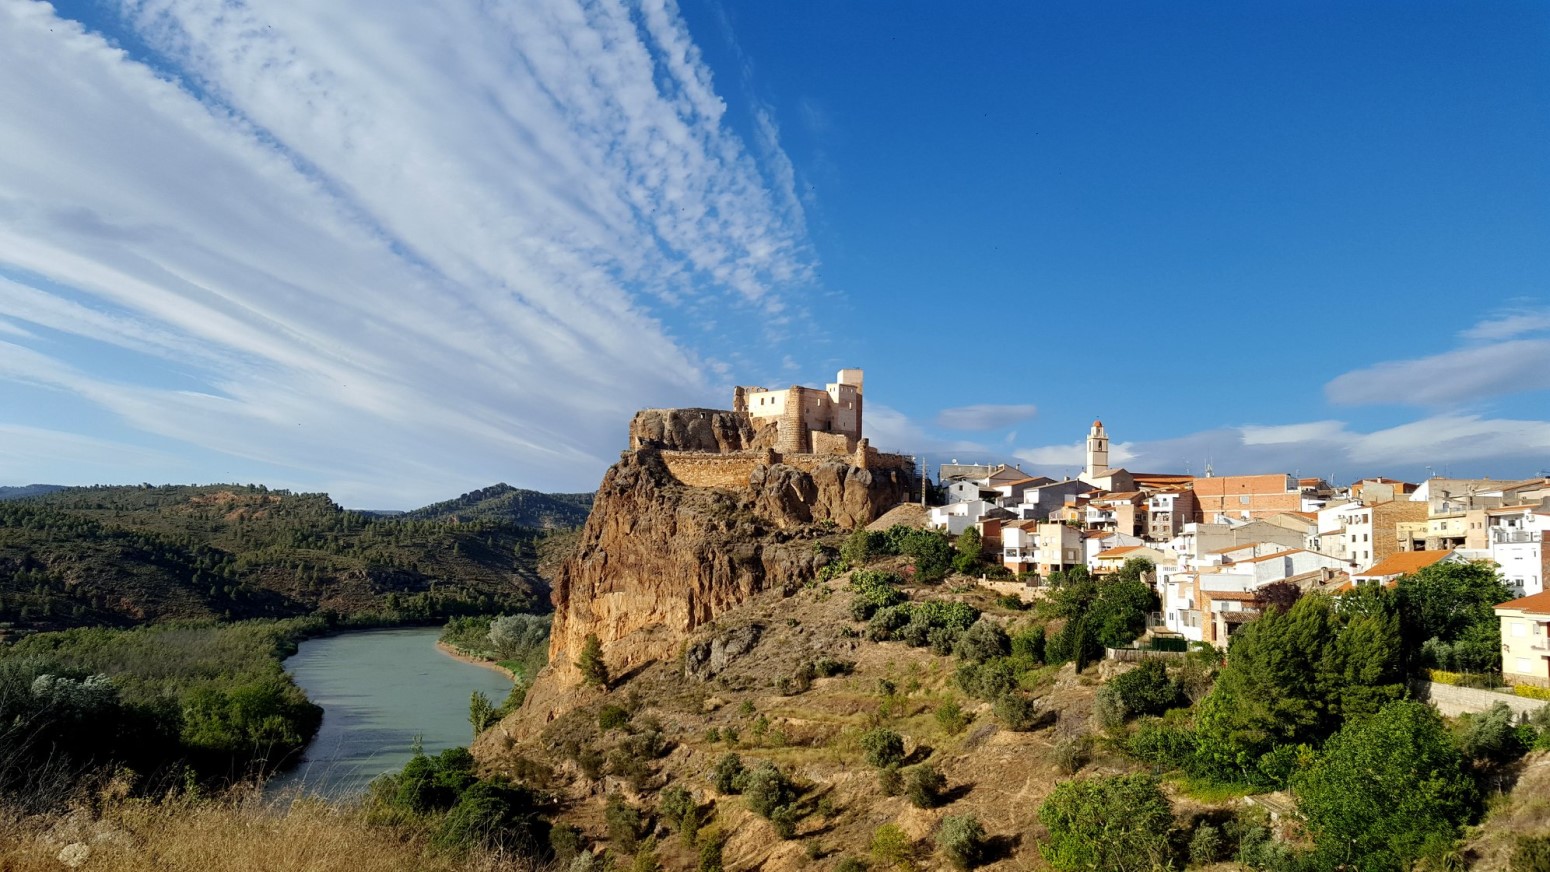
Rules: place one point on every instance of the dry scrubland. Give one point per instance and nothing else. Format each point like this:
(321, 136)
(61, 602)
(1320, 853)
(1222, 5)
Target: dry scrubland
(239, 832)
(998, 775)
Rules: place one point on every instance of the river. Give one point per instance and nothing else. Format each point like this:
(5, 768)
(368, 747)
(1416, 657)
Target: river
(380, 690)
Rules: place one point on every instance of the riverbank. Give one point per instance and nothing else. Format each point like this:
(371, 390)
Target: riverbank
(457, 654)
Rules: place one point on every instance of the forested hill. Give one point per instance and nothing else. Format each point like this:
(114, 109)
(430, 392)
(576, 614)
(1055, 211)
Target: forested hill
(502, 502)
(127, 555)
(28, 490)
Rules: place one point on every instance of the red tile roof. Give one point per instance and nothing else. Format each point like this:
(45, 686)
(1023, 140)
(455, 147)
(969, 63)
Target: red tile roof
(1538, 604)
(1405, 562)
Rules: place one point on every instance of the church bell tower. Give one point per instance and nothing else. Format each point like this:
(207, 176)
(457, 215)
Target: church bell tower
(1097, 453)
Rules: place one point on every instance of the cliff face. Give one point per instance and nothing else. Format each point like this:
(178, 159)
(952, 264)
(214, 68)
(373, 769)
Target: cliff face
(658, 558)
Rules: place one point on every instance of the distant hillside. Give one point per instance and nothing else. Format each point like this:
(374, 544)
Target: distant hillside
(127, 555)
(28, 490)
(502, 502)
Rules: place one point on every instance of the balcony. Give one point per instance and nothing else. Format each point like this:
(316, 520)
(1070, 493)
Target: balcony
(1513, 537)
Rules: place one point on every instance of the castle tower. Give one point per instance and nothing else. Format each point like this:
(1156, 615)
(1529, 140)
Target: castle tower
(1097, 453)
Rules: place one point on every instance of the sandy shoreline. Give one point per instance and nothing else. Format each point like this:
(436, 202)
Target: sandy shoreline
(455, 654)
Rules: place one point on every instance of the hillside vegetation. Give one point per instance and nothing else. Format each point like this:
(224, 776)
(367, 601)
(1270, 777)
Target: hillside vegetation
(123, 556)
(506, 504)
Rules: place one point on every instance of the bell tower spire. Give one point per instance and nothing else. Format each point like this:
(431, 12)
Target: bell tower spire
(1097, 453)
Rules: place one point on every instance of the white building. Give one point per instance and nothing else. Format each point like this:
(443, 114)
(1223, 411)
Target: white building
(1520, 545)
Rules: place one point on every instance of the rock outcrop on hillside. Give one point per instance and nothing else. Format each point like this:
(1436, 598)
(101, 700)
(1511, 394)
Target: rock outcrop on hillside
(658, 558)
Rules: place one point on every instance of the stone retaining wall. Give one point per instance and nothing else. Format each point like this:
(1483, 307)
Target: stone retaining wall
(1453, 700)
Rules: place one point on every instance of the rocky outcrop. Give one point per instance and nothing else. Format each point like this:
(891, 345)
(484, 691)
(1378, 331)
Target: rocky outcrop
(712, 430)
(658, 558)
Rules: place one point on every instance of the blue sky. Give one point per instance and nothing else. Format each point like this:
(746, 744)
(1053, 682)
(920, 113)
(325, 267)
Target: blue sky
(397, 253)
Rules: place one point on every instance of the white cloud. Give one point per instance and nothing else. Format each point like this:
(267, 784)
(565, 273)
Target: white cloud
(1499, 357)
(1510, 324)
(888, 429)
(985, 416)
(1467, 444)
(428, 244)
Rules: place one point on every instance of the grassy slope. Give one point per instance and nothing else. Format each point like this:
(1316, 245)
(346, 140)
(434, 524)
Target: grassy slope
(124, 555)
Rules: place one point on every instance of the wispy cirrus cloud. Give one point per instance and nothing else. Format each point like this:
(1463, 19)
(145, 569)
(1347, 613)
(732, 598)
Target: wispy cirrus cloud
(397, 250)
(985, 416)
(1501, 356)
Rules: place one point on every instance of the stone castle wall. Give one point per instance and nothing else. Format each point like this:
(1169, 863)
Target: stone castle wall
(734, 469)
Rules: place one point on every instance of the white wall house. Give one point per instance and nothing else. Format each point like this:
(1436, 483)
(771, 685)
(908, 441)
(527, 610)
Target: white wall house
(957, 517)
(1518, 541)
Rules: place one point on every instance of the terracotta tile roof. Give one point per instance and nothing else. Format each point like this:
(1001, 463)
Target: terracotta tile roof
(1404, 563)
(1239, 547)
(1538, 604)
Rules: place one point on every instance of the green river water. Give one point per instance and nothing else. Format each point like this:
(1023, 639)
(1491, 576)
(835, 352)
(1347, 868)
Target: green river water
(379, 691)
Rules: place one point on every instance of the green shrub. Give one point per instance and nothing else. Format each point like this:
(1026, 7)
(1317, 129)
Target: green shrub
(924, 785)
(491, 815)
(828, 667)
(675, 803)
(890, 781)
(712, 842)
(1205, 846)
(1146, 689)
(942, 640)
(727, 776)
(1029, 644)
(594, 670)
(1491, 736)
(767, 789)
(1017, 712)
(961, 840)
(1531, 692)
(1163, 744)
(1118, 823)
(434, 783)
(851, 864)
(1531, 854)
(611, 717)
(566, 842)
(950, 717)
(885, 622)
(989, 681)
(624, 823)
(983, 641)
(890, 846)
(883, 747)
(1071, 753)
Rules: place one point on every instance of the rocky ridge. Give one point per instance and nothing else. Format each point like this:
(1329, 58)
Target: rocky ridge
(658, 558)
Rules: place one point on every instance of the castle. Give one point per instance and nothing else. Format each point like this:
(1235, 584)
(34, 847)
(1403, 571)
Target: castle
(809, 421)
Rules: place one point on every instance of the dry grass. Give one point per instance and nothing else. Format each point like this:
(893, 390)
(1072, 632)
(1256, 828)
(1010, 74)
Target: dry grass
(235, 833)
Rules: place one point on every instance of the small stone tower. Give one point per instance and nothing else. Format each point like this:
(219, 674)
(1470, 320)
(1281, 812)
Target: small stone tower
(1097, 453)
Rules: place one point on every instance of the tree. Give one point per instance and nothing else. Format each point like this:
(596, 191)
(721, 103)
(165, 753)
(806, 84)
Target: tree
(1118, 613)
(594, 670)
(1271, 692)
(1452, 603)
(968, 551)
(1386, 790)
(883, 747)
(481, 713)
(932, 554)
(1117, 823)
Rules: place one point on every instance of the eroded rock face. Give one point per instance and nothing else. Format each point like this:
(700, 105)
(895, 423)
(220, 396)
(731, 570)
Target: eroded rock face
(712, 430)
(707, 658)
(658, 558)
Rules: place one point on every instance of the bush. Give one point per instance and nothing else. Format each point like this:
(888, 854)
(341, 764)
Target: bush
(767, 789)
(950, 717)
(1491, 736)
(989, 681)
(675, 803)
(851, 864)
(1163, 744)
(828, 667)
(566, 842)
(942, 640)
(1017, 712)
(492, 815)
(727, 776)
(883, 747)
(1531, 854)
(612, 716)
(924, 785)
(1071, 754)
(624, 823)
(885, 622)
(1531, 692)
(712, 842)
(1146, 689)
(983, 641)
(1116, 823)
(1205, 846)
(1029, 645)
(784, 820)
(961, 839)
(890, 781)
(890, 846)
